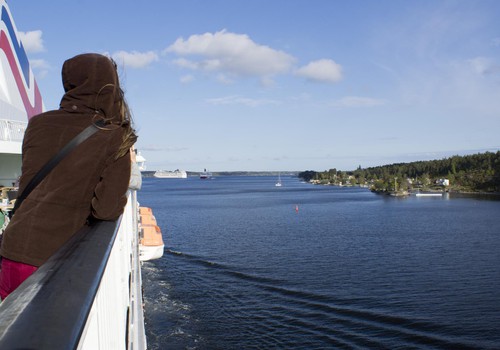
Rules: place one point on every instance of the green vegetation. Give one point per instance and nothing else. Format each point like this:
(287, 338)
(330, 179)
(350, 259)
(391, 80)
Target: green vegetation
(471, 173)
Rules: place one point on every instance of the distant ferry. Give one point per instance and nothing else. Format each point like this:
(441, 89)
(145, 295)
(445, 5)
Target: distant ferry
(205, 174)
(176, 174)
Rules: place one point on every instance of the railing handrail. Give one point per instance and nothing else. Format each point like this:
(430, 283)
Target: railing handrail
(50, 309)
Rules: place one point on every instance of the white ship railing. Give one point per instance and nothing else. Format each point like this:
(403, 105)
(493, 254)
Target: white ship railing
(87, 296)
(11, 130)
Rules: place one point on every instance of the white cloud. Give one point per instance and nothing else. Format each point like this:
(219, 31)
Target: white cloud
(39, 64)
(41, 67)
(224, 79)
(470, 86)
(240, 100)
(355, 101)
(186, 79)
(231, 54)
(134, 59)
(184, 63)
(32, 41)
(484, 65)
(324, 70)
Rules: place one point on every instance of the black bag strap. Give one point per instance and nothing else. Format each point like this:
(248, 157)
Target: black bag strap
(40, 175)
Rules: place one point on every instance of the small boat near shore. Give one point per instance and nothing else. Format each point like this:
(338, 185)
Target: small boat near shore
(432, 194)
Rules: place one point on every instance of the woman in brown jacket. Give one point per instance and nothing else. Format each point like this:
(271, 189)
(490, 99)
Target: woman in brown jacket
(89, 183)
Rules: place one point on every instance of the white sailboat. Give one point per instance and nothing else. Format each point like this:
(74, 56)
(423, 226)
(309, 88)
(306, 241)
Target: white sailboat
(278, 184)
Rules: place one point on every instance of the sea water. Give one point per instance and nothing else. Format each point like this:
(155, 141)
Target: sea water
(248, 265)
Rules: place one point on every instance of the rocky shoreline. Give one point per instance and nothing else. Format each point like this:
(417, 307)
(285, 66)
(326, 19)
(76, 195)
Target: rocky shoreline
(450, 191)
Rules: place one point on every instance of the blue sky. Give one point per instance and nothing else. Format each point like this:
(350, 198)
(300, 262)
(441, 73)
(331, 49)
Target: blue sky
(285, 84)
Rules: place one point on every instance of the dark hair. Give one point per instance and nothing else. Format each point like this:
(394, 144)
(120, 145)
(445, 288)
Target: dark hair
(129, 136)
(124, 117)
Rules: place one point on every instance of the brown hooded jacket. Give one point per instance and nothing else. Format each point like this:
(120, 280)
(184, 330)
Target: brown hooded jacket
(89, 182)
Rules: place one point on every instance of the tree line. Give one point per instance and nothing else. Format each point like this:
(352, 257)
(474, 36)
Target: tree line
(477, 172)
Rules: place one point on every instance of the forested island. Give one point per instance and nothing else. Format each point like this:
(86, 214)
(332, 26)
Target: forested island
(470, 173)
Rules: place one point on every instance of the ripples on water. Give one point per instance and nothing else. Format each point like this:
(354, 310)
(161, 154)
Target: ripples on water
(244, 270)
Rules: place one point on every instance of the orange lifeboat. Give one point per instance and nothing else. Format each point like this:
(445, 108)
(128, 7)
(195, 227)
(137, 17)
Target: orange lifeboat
(151, 241)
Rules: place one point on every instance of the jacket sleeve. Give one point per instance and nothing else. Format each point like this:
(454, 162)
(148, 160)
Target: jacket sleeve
(110, 194)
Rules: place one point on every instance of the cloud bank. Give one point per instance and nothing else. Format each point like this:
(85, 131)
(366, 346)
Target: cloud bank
(234, 55)
(231, 55)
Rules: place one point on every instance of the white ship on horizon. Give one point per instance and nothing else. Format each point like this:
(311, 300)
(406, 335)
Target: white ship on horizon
(167, 174)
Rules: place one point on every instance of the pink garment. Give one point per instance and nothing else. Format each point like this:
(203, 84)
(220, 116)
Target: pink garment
(12, 274)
